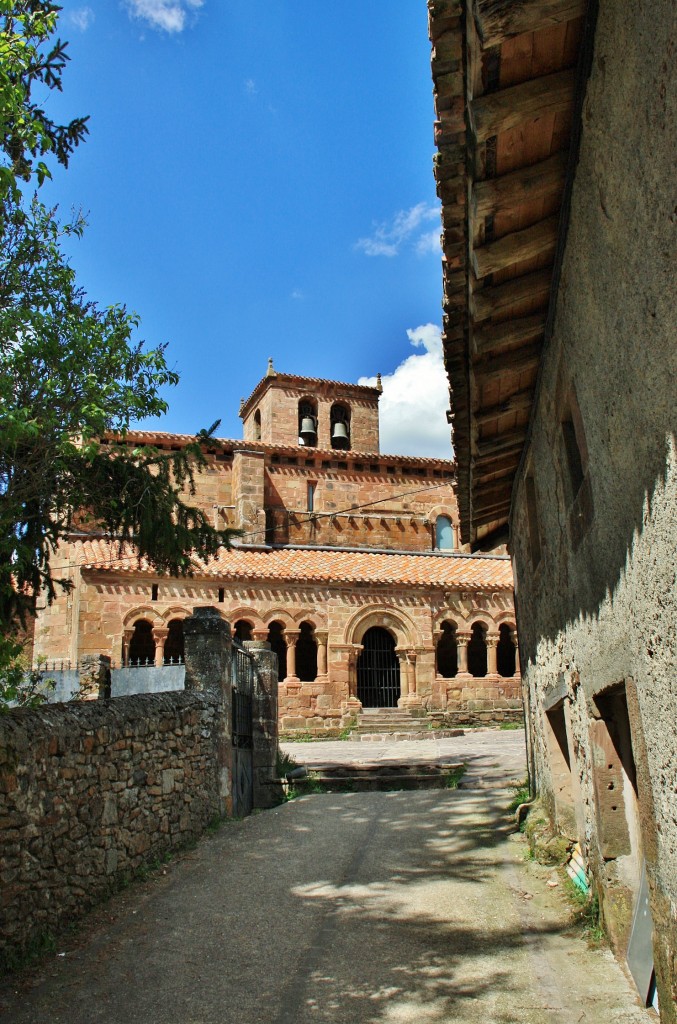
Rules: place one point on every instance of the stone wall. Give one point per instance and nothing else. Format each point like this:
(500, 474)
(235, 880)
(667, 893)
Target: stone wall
(598, 608)
(90, 792)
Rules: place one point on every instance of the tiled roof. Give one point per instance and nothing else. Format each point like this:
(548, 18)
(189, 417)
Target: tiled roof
(324, 566)
(229, 444)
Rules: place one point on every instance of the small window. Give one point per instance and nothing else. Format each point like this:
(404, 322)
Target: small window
(222, 595)
(444, 534)
(257, 425)
(573, 454)
(311, 497)
(154, 592)
(374, 467)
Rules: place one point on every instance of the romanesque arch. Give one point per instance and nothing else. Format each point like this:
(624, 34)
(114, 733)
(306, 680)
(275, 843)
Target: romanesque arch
(393, 620)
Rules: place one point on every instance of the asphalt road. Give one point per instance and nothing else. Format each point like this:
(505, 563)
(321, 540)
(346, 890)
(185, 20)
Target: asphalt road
(361, 908)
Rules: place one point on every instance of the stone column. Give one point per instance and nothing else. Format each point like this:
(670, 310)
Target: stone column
(208, 656)
(462, 641)
(437, 636)
(321, 636)
(126, 641)
(160, 635)
(267, 790)
(492, 662)
(404, 674)
(291, 638)
(411, 699)
(94, 677)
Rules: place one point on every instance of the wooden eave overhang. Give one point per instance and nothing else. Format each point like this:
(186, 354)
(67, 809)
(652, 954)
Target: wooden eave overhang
(504, 76)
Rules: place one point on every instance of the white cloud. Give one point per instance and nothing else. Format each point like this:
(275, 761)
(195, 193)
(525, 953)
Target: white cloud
(388, 237)
(429, 243)
(168, 15)
(415, 400)
(81, 17)
(250, 87)
(297, 294)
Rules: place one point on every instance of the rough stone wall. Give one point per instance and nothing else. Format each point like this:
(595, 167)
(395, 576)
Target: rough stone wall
(89, 793)
(600, 608)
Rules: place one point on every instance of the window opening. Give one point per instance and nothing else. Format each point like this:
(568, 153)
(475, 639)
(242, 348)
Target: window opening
(340, 427)
(257, 425)
(222, 595)
(447, 652)
(306, 654)
(278, 645)
(505, 651)
(477, 651)
(444, 534)
(243, 630)
(154, 592)
(307, 424)
(174, 649)
(142, 644)
(311, 497)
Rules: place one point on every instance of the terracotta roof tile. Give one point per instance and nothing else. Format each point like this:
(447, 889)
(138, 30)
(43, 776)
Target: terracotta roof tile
(323, 566)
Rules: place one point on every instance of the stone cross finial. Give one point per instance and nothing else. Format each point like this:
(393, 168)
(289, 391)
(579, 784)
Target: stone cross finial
(379, 386)
(270, 372)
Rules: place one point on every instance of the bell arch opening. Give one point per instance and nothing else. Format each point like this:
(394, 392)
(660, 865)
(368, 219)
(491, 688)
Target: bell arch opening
(378, 670)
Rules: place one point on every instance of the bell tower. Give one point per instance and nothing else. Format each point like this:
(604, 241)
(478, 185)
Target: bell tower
(309, 412)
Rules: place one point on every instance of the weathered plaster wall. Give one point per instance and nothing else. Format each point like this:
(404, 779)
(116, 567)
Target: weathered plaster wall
(92, 791)
(600, 609)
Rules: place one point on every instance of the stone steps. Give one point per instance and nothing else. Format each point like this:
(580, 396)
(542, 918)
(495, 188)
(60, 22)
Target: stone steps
(394, 723)
(376, 777)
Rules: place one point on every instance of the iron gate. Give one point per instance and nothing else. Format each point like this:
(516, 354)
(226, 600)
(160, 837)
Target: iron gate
(378, 670)
(243, 754)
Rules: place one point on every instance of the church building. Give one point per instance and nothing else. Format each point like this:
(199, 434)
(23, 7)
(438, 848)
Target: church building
(348, 564)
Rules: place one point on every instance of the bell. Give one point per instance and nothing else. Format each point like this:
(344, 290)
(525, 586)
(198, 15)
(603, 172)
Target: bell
(308, 432)
(339, 438)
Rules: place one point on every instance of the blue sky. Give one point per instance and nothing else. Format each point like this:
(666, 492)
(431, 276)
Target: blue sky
(258, 182)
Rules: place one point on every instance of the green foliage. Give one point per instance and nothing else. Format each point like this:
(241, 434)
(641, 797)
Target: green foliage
(284, 763)
(31, 60)
(511, 725)
(20, 686)
(586, 912)
(455, 775)
(522, 795)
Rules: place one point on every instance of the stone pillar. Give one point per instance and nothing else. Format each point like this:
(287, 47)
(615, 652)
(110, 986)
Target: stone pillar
(290, 638)
(321, 636)
(94, 677)
(267, 790)
(462, 641)
(404, 674)
(437, 636)
(412, 699)
(126, 641)
(492, 662)
(208, 656)
(160, 635)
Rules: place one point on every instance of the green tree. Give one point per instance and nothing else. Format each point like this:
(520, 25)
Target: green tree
(70, 372)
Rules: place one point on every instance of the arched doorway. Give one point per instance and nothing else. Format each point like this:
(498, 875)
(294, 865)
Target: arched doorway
(378, 670)
(277, 644)
(142, 644)
(173, 653)
(306, 654)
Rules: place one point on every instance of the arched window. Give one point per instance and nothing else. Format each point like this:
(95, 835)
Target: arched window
(257, 425)
(277, 644)
(308, 423)
(477, 651)
(340, 426)
(505, 652)
(444, 534)
(173, 654)
(447, 652)
(142, 644)
(243, 630)
(306, 654)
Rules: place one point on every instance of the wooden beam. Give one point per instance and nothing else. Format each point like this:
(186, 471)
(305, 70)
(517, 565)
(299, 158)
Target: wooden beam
(497, 195)
(519, 402)
(498, 20)
(509, 363)
(501, 442)
(499, 516)
(538, 240)
(511, 334)
(498, 298)
(481, 463)
(500, 111)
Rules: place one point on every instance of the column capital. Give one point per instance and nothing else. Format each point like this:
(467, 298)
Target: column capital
(321, 635)
(492, 641)
(291, 636)
(463, 638)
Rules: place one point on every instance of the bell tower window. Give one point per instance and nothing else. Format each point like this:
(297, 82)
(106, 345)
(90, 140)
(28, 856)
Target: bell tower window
(307, 423)
(340, 427)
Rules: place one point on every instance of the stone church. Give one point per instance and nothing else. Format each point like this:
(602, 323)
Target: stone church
(349, 565)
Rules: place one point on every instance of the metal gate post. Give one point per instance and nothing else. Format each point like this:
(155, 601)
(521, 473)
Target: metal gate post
(208, 657)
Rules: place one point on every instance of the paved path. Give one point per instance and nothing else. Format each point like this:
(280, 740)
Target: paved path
(362, 908)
